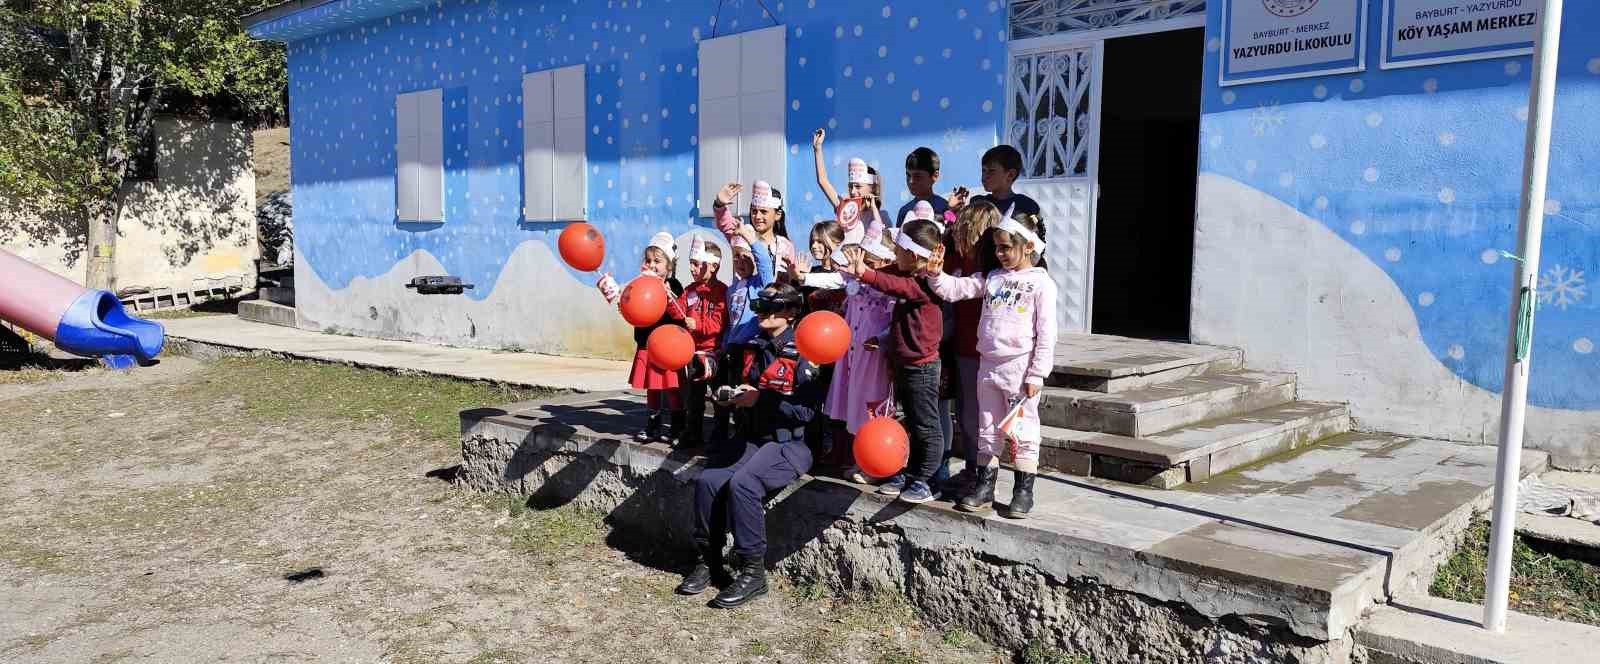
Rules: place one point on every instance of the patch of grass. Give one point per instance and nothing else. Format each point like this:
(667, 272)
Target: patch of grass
(1541, 584)
(757, 649)
(216, 307)
(337, 331)
(811, 592)
(958, 638)
(497, 656)
(1040, 653)
(27, 375)
(511, 348)
(33, 557)
(895, 654)
(283, 390)
(551, 533)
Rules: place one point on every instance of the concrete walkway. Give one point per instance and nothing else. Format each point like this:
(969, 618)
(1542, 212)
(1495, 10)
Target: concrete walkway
(524, 369)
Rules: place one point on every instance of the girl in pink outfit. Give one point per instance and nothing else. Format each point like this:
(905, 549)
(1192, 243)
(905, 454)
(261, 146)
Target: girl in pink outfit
(1016, 347)
(861, 381)
(766, 217)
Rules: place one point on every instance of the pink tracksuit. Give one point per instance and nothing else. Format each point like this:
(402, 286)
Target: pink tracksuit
(1016, 346)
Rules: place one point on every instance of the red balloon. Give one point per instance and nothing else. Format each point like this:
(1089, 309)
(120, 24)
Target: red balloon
(582, 246)
(823, 337)
(644, 300)
(670, 347)
(882, 447)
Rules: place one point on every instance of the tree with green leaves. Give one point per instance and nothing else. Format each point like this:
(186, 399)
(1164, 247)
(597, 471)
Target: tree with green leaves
(81, 82)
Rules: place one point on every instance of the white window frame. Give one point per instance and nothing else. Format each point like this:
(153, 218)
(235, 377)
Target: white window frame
(742, 111)
(555, 160)
(419, 156)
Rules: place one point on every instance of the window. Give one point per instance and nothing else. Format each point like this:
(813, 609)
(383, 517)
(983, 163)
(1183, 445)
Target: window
(1050, 119)
(741, 112)
(419, 156)
(1037, 18)
(554, 153)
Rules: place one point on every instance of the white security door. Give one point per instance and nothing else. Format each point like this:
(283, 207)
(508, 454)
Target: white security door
(1053, 117)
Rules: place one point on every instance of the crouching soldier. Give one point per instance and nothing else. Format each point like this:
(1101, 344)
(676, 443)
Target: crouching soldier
(778, 397)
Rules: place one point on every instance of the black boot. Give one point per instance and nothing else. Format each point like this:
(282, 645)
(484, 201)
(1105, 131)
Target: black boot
(750, 584)
(652, 428)
(1021, 496)
(710, 566)
(672, 427)
(981, 498)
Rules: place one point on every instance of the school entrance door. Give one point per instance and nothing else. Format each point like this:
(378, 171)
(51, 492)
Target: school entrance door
(1103, 101)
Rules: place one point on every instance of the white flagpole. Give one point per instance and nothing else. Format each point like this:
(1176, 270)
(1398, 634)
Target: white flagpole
(1514, 399)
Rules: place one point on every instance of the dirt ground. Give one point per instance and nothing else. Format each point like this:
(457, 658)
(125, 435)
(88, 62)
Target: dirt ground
(263, 510)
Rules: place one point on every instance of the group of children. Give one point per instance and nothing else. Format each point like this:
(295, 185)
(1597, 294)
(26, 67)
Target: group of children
(952, 321)
(953, 328)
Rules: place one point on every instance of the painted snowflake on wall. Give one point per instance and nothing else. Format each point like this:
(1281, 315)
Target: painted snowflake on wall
(1562, 286)
(1267, 118)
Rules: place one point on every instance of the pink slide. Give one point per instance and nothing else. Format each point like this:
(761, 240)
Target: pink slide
(80, 321)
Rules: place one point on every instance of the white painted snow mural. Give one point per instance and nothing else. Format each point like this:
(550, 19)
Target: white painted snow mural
(1420, 171)
(885, 78)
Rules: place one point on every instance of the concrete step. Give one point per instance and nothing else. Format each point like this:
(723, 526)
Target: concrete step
(1101, 363)
(277, 294)
(1298, 547)
(1196, 452)
(272, 313)
(1149, 410)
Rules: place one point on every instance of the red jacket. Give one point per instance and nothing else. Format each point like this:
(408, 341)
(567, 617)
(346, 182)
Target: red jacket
(707, 304)
(918, 322)
(967, 312)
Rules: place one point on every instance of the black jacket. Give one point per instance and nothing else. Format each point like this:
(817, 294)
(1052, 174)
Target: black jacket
(791, 392)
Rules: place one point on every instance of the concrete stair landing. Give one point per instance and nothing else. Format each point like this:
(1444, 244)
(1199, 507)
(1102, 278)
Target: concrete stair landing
(1302, 543)
(1164, 414)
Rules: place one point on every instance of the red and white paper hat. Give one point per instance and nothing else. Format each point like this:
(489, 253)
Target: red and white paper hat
(761, 196)
(922, 210)
(858, 172)
(697, 251)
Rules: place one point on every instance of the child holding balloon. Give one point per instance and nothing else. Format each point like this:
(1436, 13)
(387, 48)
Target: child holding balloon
(861, 381)
(663, 393)
(1016, 346)
(917, 329)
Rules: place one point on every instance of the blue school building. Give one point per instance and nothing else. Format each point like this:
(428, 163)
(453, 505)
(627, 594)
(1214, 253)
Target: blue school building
(1330, 185)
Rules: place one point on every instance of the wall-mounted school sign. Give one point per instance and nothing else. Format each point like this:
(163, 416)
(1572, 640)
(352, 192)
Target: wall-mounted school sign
(1271, 40)
(1426, 32)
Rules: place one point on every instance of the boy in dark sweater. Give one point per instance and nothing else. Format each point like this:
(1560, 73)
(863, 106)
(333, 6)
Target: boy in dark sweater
(915, 333)
(1002, 165)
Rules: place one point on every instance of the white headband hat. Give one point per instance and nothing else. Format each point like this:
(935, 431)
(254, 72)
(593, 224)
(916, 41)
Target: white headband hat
(879, 249)
(761, 196)
(697, 251)
(922, 210)
(858, 172)
(904, 241)
(1016, 228)
(666, 243)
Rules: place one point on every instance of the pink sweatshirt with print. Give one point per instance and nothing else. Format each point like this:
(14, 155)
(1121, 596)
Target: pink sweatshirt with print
(1019, 314)
(729, 225)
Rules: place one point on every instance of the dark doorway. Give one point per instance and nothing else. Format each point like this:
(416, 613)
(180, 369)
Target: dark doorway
(1149, 159)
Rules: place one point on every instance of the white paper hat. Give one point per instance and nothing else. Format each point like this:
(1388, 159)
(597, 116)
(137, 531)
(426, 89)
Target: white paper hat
(697, 251)
(858, 172)
(666, 243)
(761, 196)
